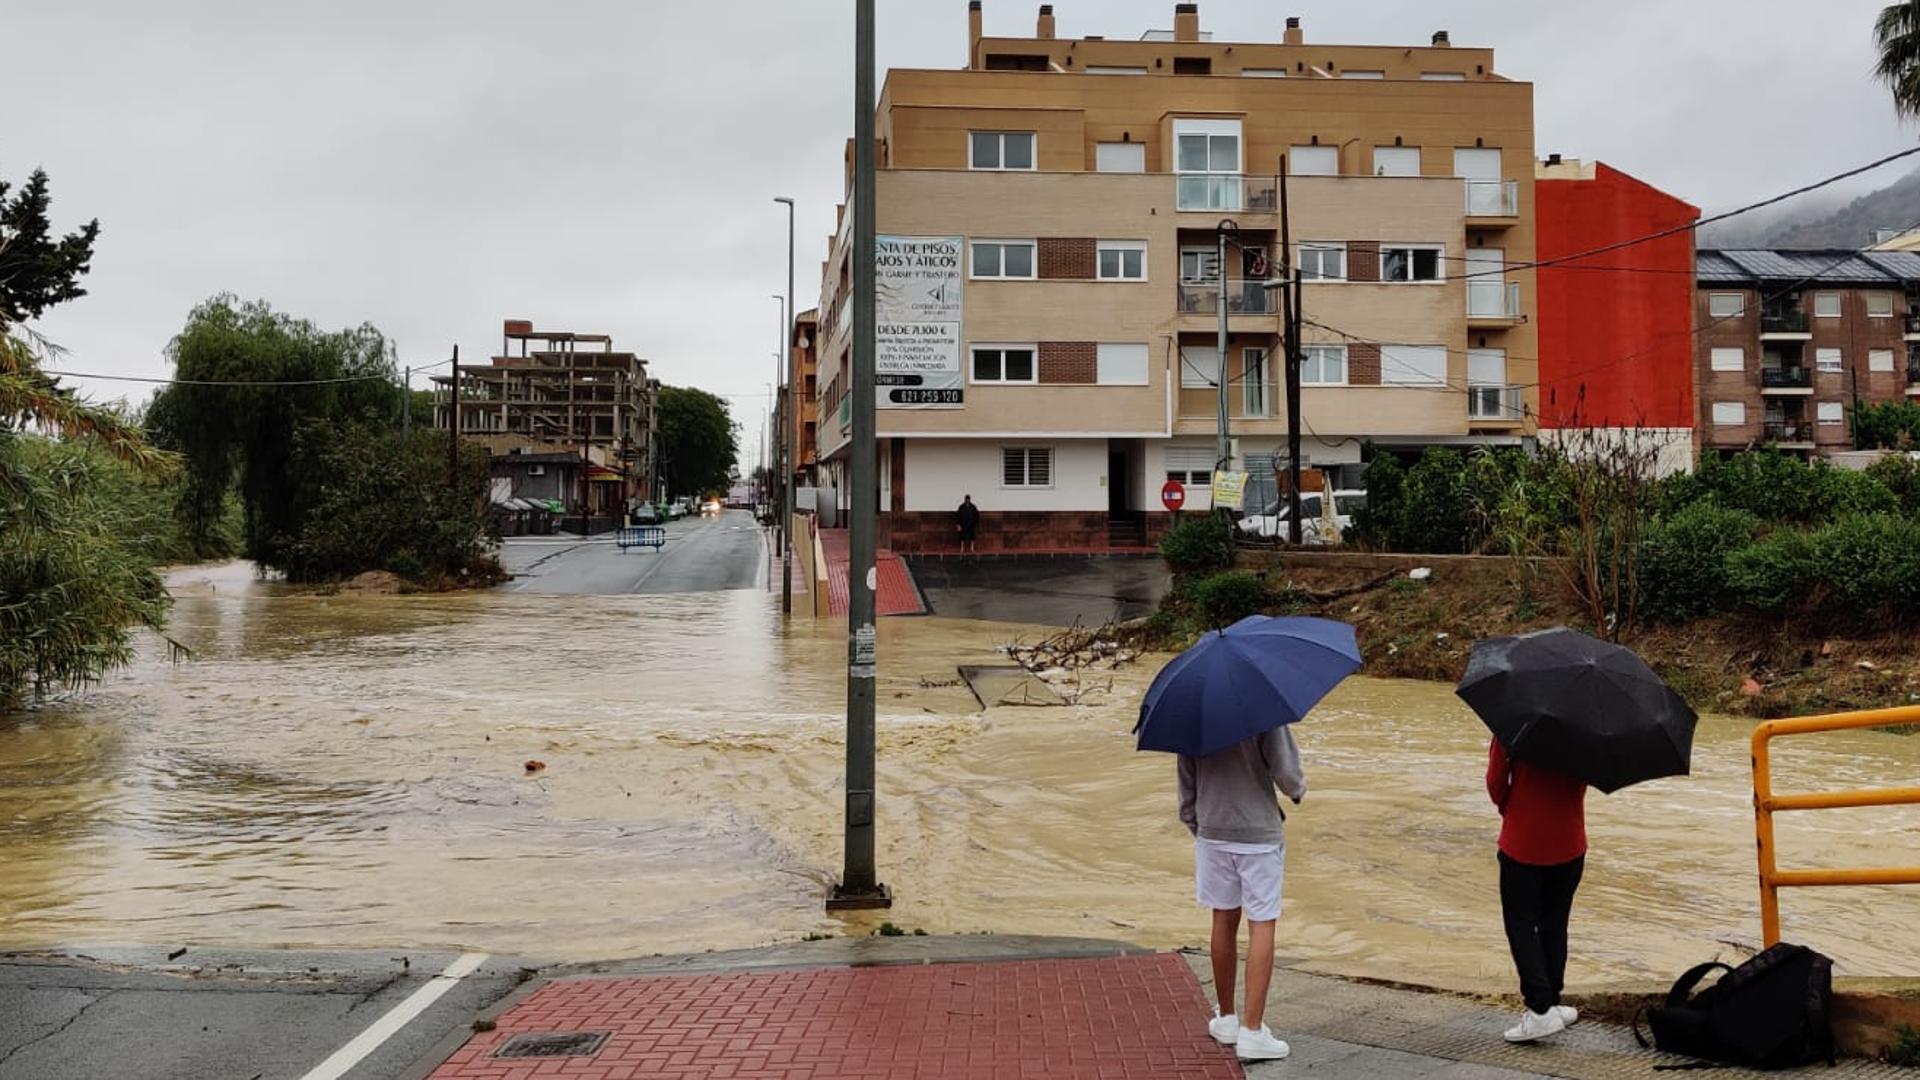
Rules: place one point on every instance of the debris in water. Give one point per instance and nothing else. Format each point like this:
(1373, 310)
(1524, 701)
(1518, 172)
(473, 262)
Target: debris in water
(534, 766)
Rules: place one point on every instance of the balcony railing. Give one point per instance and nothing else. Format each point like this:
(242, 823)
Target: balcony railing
(1228, 191)
(1784, 322)
(1488, 402)
(1493, 300)
(1786, 431)
(1493, 198)
(1912, 323)
(1913, 373)
(1786, 378)
(1243, 298)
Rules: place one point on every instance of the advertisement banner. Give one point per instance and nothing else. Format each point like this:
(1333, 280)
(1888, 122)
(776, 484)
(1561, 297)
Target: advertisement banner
(1229, 490)
(919, 283)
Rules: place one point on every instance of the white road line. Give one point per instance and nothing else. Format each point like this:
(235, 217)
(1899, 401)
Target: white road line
(396, 1018)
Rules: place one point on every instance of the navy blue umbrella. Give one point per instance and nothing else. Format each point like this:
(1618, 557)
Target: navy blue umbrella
(1244, 681)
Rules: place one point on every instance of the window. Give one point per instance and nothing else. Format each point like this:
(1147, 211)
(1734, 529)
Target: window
(1199, 367)
(1729, 360)
(1323, 262)
(1096, 69)
(1003, 363)
(1396, 161)
(1879, 359)
(1026, 466)
(1829, 360)
(1010, 259)
(1726, 305)
(1323, 365)
(1190, 465)
(1313, 161)
(1880, 305)
(1486, 367)
(1199, 264)
(1830, 413)
(1826, 305)
(1207, 156)
(1018, 62)
(1264, 73)
(1122, 365)
(1729, 413)
(1443, 76)
(1121, 157)
(1476, 163)
(1192, 65)
(1123, 260)
(1413, 365)
(1410, 264)
(1363, 74)
(1002, 150)
(1253, 380)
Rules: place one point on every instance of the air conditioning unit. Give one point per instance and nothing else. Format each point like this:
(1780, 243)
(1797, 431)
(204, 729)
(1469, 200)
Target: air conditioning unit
(536, 470)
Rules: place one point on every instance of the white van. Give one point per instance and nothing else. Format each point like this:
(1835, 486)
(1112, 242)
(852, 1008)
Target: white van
(1317, 526)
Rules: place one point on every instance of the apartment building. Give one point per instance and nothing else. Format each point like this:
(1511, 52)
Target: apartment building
(1789, 341)
(803, 421)
(1050, 218)
(559, 392)
(1616, 328)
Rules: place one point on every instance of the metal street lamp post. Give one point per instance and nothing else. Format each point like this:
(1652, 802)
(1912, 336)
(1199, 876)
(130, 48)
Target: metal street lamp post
(788, 424)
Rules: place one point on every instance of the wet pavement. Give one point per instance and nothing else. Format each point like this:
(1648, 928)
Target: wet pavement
(703, 554)
(1055, 590)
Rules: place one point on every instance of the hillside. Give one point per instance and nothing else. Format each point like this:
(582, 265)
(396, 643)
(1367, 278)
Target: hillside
(1810, 222)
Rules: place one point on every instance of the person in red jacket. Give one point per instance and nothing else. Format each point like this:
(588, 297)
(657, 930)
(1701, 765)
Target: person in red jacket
(1543, 850)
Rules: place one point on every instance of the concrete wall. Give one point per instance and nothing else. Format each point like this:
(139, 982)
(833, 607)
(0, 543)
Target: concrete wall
(939, 472)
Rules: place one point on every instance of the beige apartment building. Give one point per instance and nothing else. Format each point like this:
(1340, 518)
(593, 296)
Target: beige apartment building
(1050, 286)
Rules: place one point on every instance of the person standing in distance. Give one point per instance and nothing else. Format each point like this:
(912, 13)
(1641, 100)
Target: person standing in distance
(968, 516)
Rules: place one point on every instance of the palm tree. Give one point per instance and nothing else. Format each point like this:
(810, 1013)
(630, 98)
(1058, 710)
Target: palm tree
(1897, 33)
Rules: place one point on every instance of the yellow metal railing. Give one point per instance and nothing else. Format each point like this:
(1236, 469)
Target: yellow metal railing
(1766, 804)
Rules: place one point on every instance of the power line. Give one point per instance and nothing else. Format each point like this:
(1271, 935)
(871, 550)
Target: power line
(264, 383)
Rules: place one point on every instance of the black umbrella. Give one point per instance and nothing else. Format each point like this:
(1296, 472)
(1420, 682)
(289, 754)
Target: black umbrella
(1572, 704)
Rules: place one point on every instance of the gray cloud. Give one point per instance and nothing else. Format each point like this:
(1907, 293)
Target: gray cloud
(435, 166)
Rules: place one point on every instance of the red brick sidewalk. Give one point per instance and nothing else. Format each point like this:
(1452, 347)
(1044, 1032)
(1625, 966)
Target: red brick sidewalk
(1123, 1017)
(895, 594)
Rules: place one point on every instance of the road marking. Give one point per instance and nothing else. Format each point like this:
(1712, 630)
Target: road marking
(396, 1018)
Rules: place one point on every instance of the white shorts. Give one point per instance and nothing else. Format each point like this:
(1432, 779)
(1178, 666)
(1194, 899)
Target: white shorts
(1230, 876)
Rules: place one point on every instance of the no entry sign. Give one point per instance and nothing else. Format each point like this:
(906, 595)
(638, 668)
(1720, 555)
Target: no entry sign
(1173, 495)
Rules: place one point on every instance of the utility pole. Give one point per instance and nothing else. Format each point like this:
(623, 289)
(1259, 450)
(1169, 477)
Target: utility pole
(1290, 294)
(790, 446)
(406, 408)
(1224, 454)
(779, 426)
(453, 428)
(859, 885)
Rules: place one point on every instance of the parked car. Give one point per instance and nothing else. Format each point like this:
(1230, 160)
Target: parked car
(645, 514)
(1316, 525)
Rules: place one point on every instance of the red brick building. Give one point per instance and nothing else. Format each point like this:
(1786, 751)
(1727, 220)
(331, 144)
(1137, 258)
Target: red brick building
(1616, 329)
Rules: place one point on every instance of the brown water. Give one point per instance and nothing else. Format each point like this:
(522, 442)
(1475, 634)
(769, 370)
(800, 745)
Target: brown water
(348, 771)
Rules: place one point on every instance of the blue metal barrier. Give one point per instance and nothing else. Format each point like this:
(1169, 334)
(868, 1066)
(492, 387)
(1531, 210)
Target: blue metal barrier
(647, 536)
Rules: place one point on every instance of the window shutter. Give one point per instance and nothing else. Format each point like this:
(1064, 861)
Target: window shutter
(1039, 467)
(1013, 466)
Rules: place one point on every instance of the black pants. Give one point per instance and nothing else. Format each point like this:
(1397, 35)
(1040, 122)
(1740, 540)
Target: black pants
(1536, 902)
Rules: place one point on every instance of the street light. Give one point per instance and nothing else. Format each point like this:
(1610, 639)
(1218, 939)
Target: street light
(787, 419)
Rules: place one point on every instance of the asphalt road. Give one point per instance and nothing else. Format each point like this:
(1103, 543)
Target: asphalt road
(703, 554)
(1047, 590)
(208, 1015)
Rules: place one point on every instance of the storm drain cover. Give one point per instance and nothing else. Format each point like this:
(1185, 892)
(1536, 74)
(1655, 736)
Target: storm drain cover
(559, 1044)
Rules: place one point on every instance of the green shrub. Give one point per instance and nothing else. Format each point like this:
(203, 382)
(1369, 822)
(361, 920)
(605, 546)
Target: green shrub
(1200, 542)
(1774, 575)
(1899, 474)
(1905, 1050)
(1888, 425)
(1682, 563)
(1871, 561)
(1777, 488)
(1225, 599)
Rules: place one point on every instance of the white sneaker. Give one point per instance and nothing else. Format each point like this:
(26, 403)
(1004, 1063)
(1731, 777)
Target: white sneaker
(1534, 1026)
(1224, 1029)
(1260, 1046)
(1569, 1015)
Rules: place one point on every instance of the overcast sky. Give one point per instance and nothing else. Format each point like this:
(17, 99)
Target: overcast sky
(435, 166)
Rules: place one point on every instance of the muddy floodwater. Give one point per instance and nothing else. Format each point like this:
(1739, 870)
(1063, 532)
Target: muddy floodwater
(350, 771)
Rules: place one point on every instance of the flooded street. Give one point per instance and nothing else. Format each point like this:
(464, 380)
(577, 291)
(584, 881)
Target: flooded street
(349, 771)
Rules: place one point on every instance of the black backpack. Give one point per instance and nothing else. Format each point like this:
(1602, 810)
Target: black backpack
(1769, 1013)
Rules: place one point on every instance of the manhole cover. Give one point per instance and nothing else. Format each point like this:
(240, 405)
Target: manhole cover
(561, 1044)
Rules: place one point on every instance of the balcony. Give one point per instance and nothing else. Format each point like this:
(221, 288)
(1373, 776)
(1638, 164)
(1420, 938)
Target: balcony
(1913, 376)
(1912, 324)
(1786, 380)
(1243, 298)
(1792, 325)
(1228, 192)
(1497, 404)
(1787, 432)
(1493, 199)
(1493, 302)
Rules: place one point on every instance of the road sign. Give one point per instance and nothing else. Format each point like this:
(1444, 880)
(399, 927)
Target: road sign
(1173, 495)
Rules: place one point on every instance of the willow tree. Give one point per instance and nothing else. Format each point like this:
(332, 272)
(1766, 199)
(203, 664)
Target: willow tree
(74, 586)
(244, 436)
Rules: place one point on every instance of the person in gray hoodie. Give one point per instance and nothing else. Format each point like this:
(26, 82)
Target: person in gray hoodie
(1227, 802)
